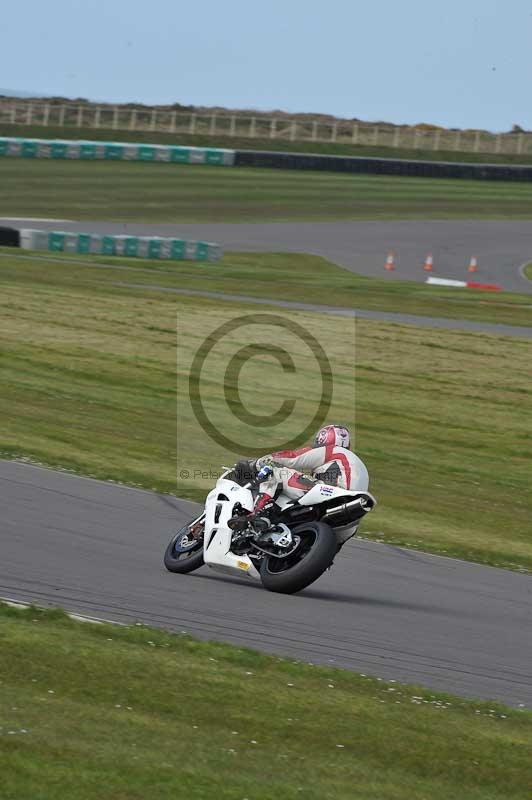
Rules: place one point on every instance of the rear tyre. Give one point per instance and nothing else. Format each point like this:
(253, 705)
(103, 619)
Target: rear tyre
(185, 550)
(314, 555)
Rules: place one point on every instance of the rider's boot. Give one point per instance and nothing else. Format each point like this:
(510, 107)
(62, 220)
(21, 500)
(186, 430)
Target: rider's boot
(259, 519)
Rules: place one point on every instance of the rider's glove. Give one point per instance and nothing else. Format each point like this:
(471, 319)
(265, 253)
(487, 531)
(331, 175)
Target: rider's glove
(264, 473)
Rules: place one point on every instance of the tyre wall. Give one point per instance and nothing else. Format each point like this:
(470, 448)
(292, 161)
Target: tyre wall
(113, 151)
(382, 166)
(155, 247)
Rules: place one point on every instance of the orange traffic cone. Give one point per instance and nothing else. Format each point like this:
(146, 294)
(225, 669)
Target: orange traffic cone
(429, 261)
(390, 262)
(473, 264)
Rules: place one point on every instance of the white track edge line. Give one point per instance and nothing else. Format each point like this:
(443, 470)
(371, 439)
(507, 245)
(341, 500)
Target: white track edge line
(34, 219)
(8, 601)
(68, 473)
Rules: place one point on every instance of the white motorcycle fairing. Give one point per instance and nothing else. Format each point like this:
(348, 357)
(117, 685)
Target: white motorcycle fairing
(217, 539)
(322, 492)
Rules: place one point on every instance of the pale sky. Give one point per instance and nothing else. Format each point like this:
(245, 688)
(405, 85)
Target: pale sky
(464, 63)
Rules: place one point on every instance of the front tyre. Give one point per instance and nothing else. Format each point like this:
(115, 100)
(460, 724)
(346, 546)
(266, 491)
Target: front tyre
(185, 550)
(313, 556)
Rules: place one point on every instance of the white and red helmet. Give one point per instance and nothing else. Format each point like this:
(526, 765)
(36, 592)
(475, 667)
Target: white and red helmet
(333, 435)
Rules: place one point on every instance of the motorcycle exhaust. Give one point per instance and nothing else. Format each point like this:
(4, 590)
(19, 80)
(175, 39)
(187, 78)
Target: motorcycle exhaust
(348, 512)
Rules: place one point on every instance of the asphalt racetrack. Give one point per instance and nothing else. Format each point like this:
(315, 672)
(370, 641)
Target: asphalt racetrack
(501, 247)
(96, 548)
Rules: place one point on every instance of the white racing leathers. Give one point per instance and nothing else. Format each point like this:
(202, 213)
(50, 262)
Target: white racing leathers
(292, 470)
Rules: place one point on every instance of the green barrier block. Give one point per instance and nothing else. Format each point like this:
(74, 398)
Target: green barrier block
(214, 157)
(87, 151)
(3, 148)
(59, 150)
(178, 249)
(202, 251)
(180, 155)
(146, 153)
(113, 152)
(29, 149)
(131, 246)
(84, 243)
(56, 241)
(108, 245)
(154, 248)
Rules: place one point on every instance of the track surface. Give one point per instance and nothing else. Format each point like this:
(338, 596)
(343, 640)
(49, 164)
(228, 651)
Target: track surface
(96, 548)
(501, 247)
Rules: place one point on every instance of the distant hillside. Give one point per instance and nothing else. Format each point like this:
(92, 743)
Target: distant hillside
(17, 93)
(72, 104)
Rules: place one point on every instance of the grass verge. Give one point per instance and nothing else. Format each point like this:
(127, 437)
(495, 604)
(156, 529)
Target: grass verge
(145, 192)
(528, 271)
(280, 276)
(245, 143)
(91, 712)
(443, 418)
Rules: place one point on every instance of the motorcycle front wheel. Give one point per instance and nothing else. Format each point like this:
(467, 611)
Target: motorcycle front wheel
(315, 553)
(185, 549)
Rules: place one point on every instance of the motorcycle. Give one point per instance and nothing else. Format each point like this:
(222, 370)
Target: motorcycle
(286, 553)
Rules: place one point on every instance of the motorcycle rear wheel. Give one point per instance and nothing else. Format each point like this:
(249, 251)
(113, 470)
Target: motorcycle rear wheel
(314, 555)
(184, 552)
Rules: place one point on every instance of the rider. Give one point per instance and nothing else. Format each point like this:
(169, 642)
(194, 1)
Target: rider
(293, 472)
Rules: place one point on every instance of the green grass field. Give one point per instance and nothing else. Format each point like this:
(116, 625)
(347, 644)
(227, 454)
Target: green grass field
(528, 271)
(245, 143)
(100, 712)
(291, 276)
(443, 418)
(182, 193)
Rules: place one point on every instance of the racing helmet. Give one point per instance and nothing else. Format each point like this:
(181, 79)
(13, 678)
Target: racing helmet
(333, 435)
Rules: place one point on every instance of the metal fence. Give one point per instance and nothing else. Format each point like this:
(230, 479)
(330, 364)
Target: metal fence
(121, 118)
